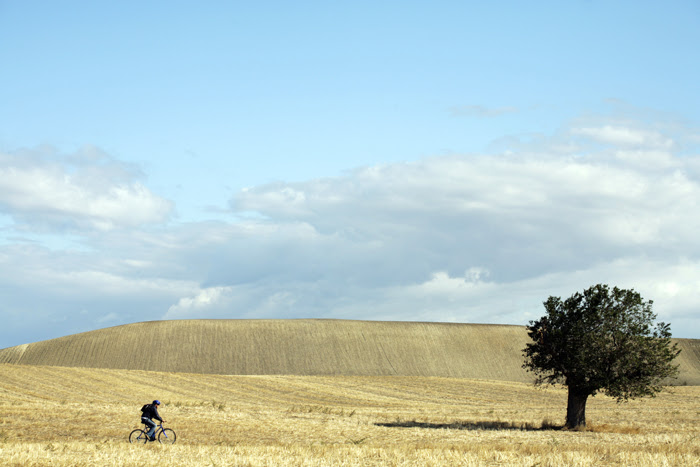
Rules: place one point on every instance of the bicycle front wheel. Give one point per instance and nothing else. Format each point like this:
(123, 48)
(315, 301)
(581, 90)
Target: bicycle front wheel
(167, 436)
(138, 437)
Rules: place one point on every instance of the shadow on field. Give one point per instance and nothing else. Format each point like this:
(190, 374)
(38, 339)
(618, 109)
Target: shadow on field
(466, 425)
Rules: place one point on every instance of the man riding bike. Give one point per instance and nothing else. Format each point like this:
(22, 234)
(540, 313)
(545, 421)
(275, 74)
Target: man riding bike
(149, 412)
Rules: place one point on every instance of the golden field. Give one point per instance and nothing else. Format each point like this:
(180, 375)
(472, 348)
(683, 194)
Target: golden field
(64, 416)
(306, 347)
(322, 393)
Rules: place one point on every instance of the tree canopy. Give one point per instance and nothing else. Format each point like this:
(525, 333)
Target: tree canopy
(602, 340)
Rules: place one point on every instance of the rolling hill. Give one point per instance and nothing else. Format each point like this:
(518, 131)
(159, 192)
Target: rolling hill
(305, 347)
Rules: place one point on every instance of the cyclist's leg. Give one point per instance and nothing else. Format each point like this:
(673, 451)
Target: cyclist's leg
(150, 426)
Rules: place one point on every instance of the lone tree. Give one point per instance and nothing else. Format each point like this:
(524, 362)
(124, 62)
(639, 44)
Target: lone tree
(601, 340)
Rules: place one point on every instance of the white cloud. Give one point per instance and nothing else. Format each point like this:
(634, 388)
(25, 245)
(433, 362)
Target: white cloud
(492, 203)
(76, 191)
(441, 284)
(205, 300)
(625, 136)
(483, 238)
(540, 223)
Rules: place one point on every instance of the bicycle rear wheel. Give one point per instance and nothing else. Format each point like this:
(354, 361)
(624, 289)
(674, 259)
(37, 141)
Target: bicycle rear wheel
(138, 437)
(167, 436)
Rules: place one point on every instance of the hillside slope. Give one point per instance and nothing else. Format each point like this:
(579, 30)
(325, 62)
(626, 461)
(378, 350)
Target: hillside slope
(304, 347)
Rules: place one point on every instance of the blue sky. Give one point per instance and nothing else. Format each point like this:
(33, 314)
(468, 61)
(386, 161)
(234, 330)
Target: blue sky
(434, 161)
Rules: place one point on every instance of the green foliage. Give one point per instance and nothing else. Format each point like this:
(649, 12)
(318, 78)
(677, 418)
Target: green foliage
(601, 340)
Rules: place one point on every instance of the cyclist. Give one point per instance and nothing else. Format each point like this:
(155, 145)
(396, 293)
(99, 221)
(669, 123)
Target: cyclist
(149, 412)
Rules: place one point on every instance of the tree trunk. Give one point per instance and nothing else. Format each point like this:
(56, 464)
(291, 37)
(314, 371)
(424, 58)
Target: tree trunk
(576, 409)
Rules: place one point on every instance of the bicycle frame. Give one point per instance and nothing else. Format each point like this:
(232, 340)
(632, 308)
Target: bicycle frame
(159, 430)
(161, 434)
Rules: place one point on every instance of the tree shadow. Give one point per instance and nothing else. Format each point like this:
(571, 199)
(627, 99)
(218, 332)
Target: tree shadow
(472, 425)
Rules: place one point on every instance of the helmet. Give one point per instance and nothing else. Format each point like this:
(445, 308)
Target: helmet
(156, 402)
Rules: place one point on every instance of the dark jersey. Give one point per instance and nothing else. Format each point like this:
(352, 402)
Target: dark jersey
(152, 412)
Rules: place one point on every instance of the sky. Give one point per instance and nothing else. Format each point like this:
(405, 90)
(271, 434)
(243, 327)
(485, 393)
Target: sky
(441, 161)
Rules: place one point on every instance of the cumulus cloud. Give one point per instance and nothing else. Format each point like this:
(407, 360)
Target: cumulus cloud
(462, 238)
(83, 190)
(203, 302)
(411, 236)
(625, 136)
(526, 211)
(245, 301)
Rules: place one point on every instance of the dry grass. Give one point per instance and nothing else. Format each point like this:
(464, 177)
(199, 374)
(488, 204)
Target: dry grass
(296, 347)
(80, 417)
(306, 347)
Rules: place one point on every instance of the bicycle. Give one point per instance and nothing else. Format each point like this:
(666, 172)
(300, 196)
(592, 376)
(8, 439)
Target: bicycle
(163, 435)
